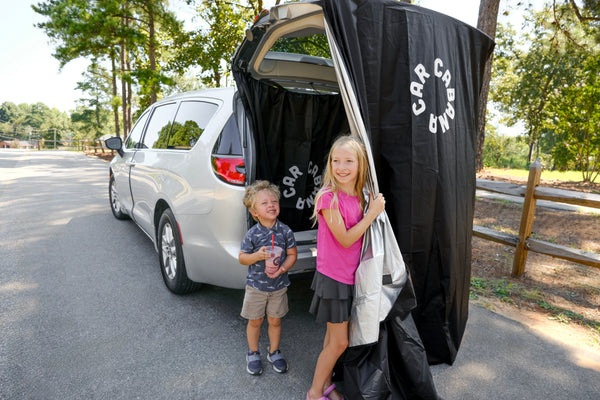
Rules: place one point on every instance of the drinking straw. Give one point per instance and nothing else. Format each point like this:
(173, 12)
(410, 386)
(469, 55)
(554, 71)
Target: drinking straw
(272, 241)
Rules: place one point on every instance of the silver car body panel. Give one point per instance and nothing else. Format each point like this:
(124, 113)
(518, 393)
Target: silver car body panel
(184, 181)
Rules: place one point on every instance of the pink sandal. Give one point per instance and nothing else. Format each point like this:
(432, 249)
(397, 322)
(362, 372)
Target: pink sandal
(320, 398)
(329, 390)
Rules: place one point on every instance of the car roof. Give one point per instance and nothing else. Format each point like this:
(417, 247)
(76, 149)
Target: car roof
(225, 94)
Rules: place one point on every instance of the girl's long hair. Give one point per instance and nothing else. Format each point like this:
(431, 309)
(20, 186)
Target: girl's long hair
(330, 184)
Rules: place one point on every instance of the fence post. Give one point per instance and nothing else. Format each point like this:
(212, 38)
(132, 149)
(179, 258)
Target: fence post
(535, 171)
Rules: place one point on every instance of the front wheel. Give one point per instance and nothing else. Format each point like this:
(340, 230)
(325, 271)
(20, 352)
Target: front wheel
(115, 204)
(170, 254)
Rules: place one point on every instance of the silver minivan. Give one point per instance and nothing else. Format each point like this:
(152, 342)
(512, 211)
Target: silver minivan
(181, 173)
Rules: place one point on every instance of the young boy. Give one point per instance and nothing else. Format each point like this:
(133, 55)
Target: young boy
(266, 290)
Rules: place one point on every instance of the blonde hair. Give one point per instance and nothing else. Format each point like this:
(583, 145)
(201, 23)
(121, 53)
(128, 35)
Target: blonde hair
(330, 184)
(252, 190)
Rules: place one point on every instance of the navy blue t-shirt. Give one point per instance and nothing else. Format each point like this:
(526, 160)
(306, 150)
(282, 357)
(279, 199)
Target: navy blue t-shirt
(259, 236)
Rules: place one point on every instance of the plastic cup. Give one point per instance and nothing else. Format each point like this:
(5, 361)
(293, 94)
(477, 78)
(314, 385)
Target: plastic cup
(272, 263)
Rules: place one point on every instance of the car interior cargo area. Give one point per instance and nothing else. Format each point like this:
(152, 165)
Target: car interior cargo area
(292, 135)
(288, 86)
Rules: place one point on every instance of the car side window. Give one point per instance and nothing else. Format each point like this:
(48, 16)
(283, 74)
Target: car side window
(192, 117)
(134, 138)
(159, 127)
(229, 143)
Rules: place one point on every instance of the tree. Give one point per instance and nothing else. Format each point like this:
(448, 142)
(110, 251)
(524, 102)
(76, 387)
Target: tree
(575, 121)
(92, 116)
(552, 86)
(502, 151)
(115, 32)
(212, 46)
(526, 78)
(587, 14)
(486, 22)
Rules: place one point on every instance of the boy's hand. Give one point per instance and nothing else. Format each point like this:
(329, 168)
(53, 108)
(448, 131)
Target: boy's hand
(253, 258)
(262, 253)
(275, 274)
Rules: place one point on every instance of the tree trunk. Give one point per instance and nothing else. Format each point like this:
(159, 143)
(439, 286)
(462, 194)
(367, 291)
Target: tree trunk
(129, 99)
(486, 22)
(152, 55)
(114, 93)
(125, 23)
(530, 152)
(123, 88)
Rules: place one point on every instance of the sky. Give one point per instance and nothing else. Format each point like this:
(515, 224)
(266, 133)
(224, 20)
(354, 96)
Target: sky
(30, 74)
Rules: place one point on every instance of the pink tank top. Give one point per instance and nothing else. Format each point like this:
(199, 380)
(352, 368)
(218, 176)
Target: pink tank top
(333, 259)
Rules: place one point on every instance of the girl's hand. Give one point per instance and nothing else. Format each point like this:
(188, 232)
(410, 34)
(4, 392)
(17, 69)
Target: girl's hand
(376, 205)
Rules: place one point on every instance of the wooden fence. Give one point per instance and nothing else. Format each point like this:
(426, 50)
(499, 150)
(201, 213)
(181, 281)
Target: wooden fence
(524, 242)
(96, 145)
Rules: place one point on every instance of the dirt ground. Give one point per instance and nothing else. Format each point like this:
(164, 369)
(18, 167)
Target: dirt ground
(553, 295)
(552, 291)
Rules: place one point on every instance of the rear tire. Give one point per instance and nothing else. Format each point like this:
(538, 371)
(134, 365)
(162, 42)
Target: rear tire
(115, 204)
(170, 255)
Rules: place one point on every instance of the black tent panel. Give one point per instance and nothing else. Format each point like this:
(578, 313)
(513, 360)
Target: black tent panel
(417, 75)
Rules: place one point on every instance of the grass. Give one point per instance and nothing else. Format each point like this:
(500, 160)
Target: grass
(510, 292)
(566, 176)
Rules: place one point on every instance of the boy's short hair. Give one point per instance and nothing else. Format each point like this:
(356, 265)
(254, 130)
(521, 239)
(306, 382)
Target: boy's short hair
(251, 191)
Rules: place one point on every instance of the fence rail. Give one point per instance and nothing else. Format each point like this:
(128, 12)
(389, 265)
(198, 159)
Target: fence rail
(97, 145)
(524, 242)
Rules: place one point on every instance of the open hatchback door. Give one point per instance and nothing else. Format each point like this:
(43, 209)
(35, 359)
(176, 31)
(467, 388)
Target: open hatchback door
(404, 79)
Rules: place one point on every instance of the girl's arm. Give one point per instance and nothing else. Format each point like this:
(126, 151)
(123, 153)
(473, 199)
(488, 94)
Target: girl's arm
(347, 237)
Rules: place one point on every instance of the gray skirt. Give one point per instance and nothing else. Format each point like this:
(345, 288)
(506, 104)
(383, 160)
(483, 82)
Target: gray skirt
(332, 300)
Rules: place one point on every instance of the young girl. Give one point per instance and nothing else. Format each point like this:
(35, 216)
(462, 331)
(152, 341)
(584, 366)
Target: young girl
(339, 207)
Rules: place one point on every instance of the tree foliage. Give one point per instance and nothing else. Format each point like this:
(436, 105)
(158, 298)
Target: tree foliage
(547, 81)
(487, 22)
(211, 46)
(121, 33)
(33, 121)
(501, 151)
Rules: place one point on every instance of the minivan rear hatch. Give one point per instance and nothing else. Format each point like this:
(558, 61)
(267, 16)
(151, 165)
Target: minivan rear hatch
(287, 83)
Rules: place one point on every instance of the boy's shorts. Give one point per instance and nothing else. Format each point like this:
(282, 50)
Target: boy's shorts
(256, 302)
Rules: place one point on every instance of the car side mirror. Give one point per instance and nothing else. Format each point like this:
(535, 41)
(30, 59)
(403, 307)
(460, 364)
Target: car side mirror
(115, 143)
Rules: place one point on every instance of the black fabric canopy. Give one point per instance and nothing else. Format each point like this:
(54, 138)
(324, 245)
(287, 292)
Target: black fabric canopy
(293, 133)
(417, 75)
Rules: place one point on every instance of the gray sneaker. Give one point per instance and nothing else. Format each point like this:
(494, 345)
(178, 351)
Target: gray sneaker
(253, 363)
(279, 363)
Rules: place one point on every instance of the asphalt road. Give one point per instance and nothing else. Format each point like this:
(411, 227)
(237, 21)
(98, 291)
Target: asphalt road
(84, 313)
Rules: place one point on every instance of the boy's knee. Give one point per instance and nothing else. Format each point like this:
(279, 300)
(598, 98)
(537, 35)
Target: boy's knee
(274, 322)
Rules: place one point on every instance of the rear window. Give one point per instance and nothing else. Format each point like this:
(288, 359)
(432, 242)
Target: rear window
(228, 142)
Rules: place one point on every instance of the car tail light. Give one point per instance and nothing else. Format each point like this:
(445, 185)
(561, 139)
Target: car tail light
(230, 170)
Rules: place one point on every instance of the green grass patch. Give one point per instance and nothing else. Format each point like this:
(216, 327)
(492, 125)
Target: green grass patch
(567, 176)
(510, 292)
(533, 294)
(500, 289)
(505, 202)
